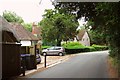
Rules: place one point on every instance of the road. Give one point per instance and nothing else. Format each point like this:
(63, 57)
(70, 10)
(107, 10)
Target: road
(85, 65)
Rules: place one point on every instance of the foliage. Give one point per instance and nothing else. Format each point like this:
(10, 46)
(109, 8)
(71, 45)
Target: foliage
(12, 17)
(76, 47)
(73, 45)
(83, 9)
(99, 47)
(28, 26)
(111, 25)
(90, 49)
(97, 37)
(57, 27)
(45, 47)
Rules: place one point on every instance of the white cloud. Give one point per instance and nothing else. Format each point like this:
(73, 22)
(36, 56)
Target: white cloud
(29, 10)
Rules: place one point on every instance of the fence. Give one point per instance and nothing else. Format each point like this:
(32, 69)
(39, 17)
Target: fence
(10, 59)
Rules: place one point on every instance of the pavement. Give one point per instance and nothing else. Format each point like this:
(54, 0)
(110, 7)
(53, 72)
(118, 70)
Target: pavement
(51, 61)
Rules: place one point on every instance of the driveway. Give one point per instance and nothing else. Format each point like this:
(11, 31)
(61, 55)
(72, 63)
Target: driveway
(86, 65)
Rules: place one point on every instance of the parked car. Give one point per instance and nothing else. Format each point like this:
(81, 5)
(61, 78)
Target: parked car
(56, 50)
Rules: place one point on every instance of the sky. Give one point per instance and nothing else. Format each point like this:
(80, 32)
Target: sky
(29, 10)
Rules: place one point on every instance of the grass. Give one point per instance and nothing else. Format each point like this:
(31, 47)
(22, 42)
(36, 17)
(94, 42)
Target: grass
(113, 67)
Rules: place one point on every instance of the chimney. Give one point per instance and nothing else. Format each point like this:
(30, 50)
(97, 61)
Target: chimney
(34, 25)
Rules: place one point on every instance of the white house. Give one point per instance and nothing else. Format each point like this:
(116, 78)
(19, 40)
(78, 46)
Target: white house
(83, 37)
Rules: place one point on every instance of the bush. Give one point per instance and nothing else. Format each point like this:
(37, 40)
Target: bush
(76, 47)
(99, 47)
(73, 45)
(90, 49)
(45, 47)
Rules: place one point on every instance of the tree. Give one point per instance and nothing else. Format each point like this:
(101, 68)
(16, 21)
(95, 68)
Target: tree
(28, 26)
(12, 17)
(111, 27)
(97, 37)
(105, 17)
(57, 27)
(83, 9)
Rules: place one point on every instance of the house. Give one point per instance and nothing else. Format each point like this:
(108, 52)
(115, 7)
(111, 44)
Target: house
(27, 39)
(16, 40)
(36, 30)
(10, 50)
(83, 37)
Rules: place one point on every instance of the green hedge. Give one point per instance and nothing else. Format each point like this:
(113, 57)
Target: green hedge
(45, 47)
(75, 47)
(99, 47)
(79, 50)
(72, 51)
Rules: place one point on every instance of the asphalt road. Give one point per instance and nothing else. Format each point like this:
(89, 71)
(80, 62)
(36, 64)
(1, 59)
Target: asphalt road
(87, 65)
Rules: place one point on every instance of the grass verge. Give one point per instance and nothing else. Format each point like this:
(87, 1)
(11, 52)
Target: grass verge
(112, 68)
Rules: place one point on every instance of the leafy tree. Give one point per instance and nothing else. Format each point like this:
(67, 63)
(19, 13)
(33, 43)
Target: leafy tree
(111, 27)
(12, 17)
(83, 9)
(57, 27)
(97, 37)
(105, 17)
(28, 26)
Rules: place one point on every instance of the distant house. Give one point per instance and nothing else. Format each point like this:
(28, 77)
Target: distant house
(83, 37)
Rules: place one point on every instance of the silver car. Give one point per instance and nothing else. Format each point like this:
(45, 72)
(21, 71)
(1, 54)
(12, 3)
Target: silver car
(56, 50)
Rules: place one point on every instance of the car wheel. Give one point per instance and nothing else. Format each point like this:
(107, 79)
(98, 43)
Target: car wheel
(60, 54)
(44, 54)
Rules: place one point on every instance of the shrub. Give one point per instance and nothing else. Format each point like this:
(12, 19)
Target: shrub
(45, 47)
(99, 47)
(76, 47)
(90, 48)
(73, 45)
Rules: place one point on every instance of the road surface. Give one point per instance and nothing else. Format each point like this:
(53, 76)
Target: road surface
(83, 65)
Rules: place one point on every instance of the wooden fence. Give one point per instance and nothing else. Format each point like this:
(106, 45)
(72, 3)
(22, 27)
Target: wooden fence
(10, 59)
